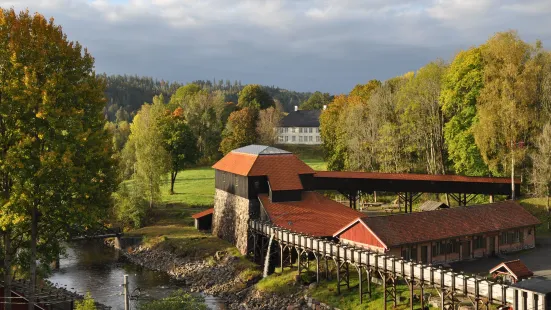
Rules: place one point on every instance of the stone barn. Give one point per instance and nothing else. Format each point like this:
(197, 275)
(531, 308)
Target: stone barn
(241, 176)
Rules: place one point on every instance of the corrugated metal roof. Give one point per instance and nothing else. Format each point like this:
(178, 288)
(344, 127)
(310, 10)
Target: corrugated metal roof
(431, 205)
(255, 149)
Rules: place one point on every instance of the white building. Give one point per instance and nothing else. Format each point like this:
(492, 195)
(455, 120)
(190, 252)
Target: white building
(300, 127)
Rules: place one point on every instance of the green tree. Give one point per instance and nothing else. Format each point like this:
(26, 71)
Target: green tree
(508, 101)
(130, 205)
(316, 101)
(57, 164)
(180, 143)
(541, 170)
(331, 132)
(146, 144)
(86, 304)
(365, 90)
(418, 103)
(254, 96)
(240, 130)
(183, 94)
(178, 300)
(460, 91)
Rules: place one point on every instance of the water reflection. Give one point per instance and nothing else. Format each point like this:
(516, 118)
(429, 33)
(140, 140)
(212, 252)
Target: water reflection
(92, 266)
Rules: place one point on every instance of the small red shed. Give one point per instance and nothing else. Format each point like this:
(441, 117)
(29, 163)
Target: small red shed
(511, 271)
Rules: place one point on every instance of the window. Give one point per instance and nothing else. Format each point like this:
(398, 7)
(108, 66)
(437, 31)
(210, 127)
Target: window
(299, 138)
(317, 130)
(529, 232)
(286, 129)
(310, 138)
(300, 130)
(294, 138)
(310, 130)
(286, 139)
(479, 242)
(293, 130)
(317, 139)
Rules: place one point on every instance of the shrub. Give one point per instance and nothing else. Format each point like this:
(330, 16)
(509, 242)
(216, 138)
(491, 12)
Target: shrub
(86, 304)
(178, 300)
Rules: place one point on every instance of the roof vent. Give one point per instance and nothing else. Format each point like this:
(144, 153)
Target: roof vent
(296, 108)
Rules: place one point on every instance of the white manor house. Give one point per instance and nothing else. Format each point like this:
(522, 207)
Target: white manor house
(300, 127)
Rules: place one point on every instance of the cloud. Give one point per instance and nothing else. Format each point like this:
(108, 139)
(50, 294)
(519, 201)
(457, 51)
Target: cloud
(328, 45)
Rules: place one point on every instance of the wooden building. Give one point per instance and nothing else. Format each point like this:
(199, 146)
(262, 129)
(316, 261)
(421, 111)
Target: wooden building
(511, 272)
(203, 220)
(431, 205)
(446, 235)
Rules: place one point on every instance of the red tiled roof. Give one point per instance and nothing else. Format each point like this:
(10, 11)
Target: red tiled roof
(237, 163)
(516, 268)
(282, 170)
(314, 215)
(203, 213)
(441, 224)
(410, 177)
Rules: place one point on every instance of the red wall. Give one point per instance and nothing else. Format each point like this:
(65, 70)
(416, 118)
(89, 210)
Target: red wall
(358, 233)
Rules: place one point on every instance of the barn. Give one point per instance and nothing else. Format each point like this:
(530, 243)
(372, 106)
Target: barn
(446, 235)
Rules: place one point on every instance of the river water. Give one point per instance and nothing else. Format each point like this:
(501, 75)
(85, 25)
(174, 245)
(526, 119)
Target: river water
(91, 266)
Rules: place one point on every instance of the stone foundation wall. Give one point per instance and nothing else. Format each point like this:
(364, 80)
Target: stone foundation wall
(231, 217)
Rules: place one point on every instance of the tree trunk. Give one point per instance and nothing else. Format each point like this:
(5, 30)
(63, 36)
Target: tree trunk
(150, 194)
(172, 181)
(548, 215)
(34, 233)
(7, 268)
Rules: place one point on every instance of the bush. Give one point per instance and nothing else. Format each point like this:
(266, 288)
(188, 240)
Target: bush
(130, 206)
(86, 304)
(178, 300)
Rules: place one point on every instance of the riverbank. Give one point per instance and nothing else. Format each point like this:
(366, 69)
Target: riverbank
(225, 275)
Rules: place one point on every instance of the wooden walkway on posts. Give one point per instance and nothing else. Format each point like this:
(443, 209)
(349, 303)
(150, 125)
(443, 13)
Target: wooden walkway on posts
(450, 285)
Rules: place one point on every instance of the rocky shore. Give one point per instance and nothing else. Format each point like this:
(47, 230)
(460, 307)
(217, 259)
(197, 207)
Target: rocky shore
(219, 276)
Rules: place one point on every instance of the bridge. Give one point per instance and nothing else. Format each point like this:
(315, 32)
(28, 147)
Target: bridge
(450, 285)
(409, 186)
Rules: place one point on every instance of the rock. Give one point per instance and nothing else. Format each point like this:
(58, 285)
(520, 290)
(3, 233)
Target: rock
(312, 286)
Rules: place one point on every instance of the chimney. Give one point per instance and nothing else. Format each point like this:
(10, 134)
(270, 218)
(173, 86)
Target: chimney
(324, 107)
(296, 108)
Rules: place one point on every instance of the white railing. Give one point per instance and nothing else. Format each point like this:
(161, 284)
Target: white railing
(406, 269)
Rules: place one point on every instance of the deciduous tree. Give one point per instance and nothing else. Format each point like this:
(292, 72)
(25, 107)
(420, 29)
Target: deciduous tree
(254, 96)
(266, 125)
(460, 90)
(508, 101)
(240, 130)
(541, 171)
(316, 101)
(180, 143)
(56, 160)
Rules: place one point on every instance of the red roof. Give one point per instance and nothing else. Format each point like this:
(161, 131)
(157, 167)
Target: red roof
(204, 213)
(314, 215)
(410, 177)
(516, 268)
(395, 230)
(282, 170)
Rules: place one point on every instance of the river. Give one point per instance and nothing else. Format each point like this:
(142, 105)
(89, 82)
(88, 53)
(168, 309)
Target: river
(93, 267)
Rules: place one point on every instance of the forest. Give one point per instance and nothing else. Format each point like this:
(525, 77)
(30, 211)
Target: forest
(126, 94)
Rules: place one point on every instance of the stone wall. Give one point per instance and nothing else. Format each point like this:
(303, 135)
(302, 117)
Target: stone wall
(231, 216)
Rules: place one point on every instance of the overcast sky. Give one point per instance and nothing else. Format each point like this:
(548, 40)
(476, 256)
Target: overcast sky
(304, 45)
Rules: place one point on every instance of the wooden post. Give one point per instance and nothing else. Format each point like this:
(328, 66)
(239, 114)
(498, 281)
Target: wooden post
(281, 250)
(422, 296)
(338, 278)
(411, 295)
(317, 268)
(384, 289)
(442, 299)
(360, 283)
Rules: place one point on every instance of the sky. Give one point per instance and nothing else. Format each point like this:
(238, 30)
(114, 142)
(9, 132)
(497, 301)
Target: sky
(302, 45)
